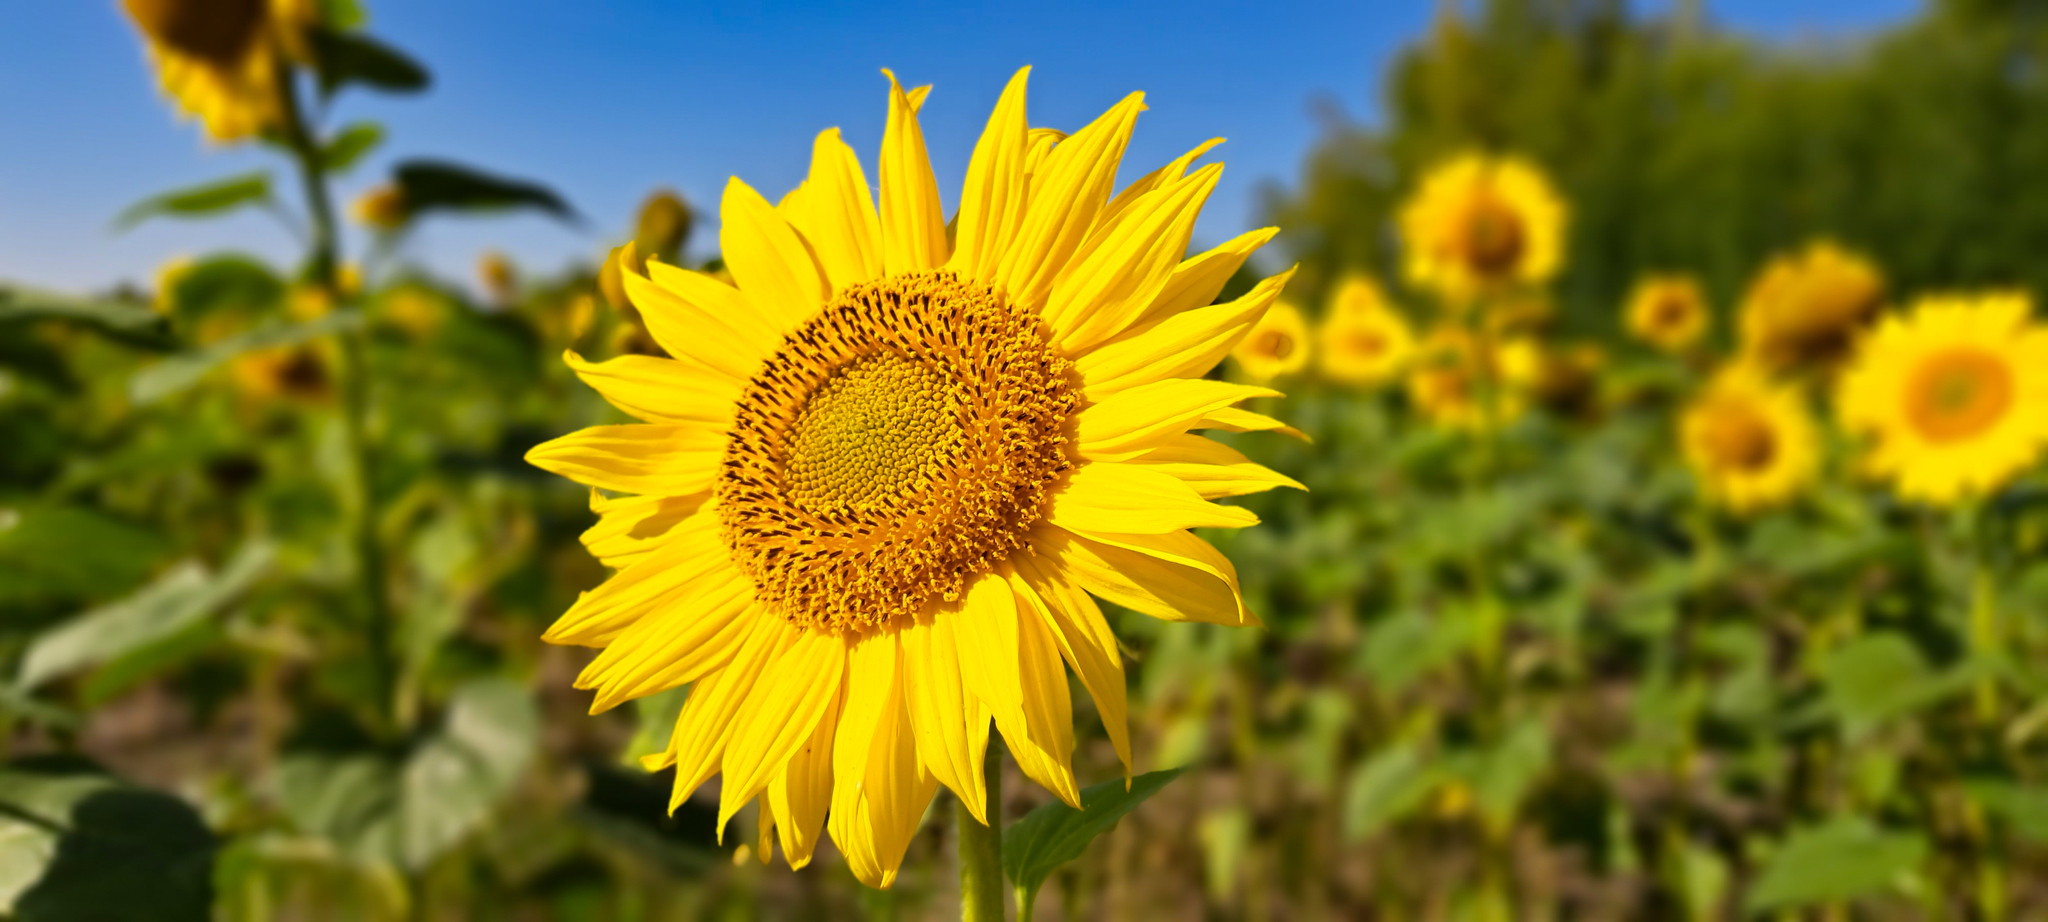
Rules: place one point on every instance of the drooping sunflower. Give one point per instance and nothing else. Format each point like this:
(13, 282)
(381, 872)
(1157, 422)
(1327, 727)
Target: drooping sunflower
(1954, 395)
(1460, 383)
(1277, 345)
(1480, 224)
(1668, 312)
(1805, 308)
(1364, 346)
(883, 474)
(224, 60)
(1749, 439)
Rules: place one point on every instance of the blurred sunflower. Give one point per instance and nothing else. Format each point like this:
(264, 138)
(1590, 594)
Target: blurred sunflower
(301, 373)
(1480, 224)
(1277, 345)
(1365, 347)
(1357, 295)
(1749, 439)
(499, 280)
(1954, 394)
(168, 276)
(883, 473)
(1566, 379)
(1668, 312)
(1459, 384)
(1805, 308)
(224, 60)
(415, 309)
(381, 209)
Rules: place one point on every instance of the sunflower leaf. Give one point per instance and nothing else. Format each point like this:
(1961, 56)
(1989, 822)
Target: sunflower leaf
(76, 843)
(1055, 833)
(436, 185)
(200, 200)
(1842, 859)
(342, 58)
(349, 145)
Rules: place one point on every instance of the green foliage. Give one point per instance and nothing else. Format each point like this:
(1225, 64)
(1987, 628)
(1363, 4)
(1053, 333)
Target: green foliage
(434, 185)
(176, 372)
(80, 846)
(343, 58)
(1844, 858)
(205, 200)
(349, 145)
(1055, 833)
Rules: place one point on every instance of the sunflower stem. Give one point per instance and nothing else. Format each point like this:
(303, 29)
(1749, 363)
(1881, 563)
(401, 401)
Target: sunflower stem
(322, 264)
(981, 851)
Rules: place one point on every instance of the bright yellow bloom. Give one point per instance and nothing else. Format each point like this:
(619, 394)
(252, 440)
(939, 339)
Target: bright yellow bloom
(1749, 440)
(1459, 384)
(223, 61)
(1277, 344)
(1357, 295)
(168, 276)
(1954, 395)
(301, 373)
(1365, 348)
(883, 474)
(383, 208)
(416, 309)
(1480, 224)
(1668, 312)
(1805, 308)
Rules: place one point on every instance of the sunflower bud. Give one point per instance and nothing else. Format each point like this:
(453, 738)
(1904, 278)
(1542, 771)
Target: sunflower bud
(663, 226)
(382, 208)
(496, 275)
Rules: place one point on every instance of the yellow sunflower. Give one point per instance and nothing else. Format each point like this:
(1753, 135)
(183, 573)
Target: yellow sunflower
(1955, 395)
(1749, 439)
(1277, 344)
(224, 60)
(1805, 308)
(1460, 384)
(1480, 224)
(302, 373)
(882, 474)
(1668, 312)
(495, 274)
(1364, 347)
(382, 209)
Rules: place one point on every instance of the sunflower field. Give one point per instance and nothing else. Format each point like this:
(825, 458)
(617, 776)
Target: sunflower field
(1609, 486)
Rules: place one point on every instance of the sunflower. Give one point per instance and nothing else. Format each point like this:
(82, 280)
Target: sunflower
(1461, 384)
(494, 272)
(1481, 224)
(1805, 308)
(382, 209)
(1277, 344)
(883, 474)
(224, 60)
(1749, 439)
(1954, 394)
(1668, 312)
(1364, 346)
(302, 373)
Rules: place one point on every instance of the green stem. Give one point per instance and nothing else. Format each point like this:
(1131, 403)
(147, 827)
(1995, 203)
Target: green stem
(981, 851)
(1985, 639)
(321, 270)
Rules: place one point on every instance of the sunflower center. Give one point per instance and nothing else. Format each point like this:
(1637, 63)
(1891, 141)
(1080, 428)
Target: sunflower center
(1494, 238)
(1739, 439)
(218, 33)
(881, 427)
(894, 447)
(1671, 311)
(1366, 343)
(1958, 394)
(1276, 344)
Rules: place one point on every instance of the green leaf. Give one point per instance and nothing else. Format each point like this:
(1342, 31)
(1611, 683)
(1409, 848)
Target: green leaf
(349, 146)
(1843, 859)
(76, 844)
(201, 200)
(434, 185)
(50, 554)
(221, 284)
(2023, 807)
(1055, 833)
(1879, 676)
(20, 303)
(176, 372)
(409, 812)
(171, 603)
(1506, 773)
(1384, 788)
(342, 58)
(657, 716)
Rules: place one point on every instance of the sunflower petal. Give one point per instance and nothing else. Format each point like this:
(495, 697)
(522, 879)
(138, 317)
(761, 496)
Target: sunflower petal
(669, 460)
(1067, 192)
(697, 744)
(872, 675)
(675, 563)
(631, 527)
(697, 631)
(1185, 345)
(1197, 280)
(836, 214)
(1048, 711)
(992, 202)
(1174, 576)
(1134, 421)
(897, 790)
(1086, 642)
(1125, 262)
(768, 259)
(659, 390)
(913, 221)
(1214, 469)
(779, 715)
(1111, 497)
(1235, 419)
(802, 792)
(695, 316)
(989, 632)
(1164, 176)
(951, 726)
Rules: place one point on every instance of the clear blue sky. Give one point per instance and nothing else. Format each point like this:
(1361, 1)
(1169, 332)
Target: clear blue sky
(606, 100)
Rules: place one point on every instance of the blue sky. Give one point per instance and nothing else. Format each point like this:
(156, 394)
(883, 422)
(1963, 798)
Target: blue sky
(606, 100)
